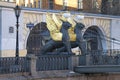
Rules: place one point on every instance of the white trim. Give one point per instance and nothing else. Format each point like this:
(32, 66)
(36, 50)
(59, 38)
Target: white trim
(26, 38)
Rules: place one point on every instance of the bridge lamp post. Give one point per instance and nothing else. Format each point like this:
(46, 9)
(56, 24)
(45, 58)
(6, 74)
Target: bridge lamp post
(17, 10)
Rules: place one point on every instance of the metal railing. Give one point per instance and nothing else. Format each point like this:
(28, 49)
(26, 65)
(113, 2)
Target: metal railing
(104, 60)
(56, 62)
(108, 52)
(8, 65)
(100, 57)
(52, 62)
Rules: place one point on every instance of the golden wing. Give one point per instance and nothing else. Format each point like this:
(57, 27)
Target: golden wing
(55, 33)
(57, 21)
(50, 23)
(62, 17)
(71, 30)
(71, 21)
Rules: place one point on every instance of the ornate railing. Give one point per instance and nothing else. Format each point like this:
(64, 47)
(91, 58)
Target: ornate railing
(8, 65)
(108, 51)
(100, 57)
(104, 60)
(52, 62)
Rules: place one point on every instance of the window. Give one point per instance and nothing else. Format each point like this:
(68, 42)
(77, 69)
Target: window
(31, 5)
(11, 30)
(80, 4)
(51, 4)
(95, 4)
(64, 4)
(35, 4)
(39, 4)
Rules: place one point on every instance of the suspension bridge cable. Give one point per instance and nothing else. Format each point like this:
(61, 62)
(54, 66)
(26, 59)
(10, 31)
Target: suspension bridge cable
(103, 35)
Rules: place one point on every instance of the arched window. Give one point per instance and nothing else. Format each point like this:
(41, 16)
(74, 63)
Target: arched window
(51, 4)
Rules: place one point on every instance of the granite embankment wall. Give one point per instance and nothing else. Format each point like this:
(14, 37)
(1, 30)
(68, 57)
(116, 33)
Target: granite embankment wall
(61, 75)
(72, 76)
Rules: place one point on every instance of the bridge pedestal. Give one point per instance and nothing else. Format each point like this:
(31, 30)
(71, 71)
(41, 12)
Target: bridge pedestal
(32, 59)
(73, 62)
(87, 60)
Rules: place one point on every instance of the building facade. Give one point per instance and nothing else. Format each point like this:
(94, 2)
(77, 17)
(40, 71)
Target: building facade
(92, 6)
(104, 25)
(47, 4)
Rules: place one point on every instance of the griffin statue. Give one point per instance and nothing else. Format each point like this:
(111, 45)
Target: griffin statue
(65, 34)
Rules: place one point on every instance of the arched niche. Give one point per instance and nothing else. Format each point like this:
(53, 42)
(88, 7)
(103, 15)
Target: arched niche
(34, 40)
(95, 38)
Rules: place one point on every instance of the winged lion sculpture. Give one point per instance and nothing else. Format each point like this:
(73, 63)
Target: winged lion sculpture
(65, 34)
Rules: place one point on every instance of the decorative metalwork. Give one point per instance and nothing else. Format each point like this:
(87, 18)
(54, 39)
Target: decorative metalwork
(65, 34)
(100, 57)
(7, 65)
(52, 62)
(35, 40)
(103, 60)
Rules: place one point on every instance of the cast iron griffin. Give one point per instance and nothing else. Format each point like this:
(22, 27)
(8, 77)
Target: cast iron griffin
(65, 34)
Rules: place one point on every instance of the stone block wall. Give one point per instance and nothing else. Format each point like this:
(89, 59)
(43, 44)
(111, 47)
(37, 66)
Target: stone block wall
(110, 76)
(60, 75)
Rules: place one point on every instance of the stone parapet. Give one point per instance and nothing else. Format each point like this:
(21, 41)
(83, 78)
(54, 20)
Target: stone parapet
(32, 60)
(61, 75)
(73, 62)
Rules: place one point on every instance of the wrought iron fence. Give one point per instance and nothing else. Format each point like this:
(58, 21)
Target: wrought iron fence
(82, 60)
(96, 59)
(8, 65)
(100, 57)
(113, 51)
(52, 62)
(108, 52)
